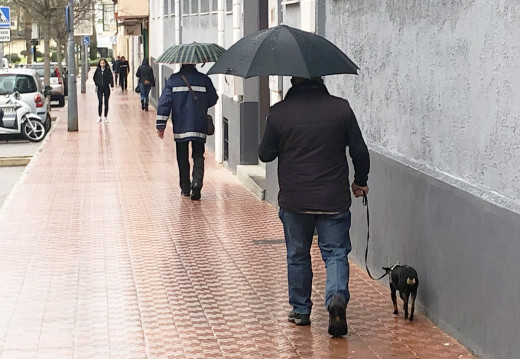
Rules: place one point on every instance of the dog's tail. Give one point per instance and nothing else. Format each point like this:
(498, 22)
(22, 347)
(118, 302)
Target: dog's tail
(410, 281)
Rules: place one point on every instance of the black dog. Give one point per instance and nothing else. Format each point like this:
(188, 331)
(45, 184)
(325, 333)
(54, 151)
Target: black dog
(405, 280)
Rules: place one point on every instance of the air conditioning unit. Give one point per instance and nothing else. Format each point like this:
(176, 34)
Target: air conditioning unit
(133, 30)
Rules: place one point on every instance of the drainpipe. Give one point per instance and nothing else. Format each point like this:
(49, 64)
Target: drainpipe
(219, 122)
(238, 82)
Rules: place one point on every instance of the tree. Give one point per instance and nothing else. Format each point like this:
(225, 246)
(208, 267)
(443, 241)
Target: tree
(50, 15)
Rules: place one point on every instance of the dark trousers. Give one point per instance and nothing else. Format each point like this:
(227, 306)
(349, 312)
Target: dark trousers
(100, 94)
(197, 153)
(123, 81)
(116, 77)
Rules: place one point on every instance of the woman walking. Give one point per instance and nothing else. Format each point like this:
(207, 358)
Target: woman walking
(146, 82)
(103, 80)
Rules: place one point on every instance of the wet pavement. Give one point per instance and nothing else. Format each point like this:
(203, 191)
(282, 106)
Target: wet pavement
(100, 257)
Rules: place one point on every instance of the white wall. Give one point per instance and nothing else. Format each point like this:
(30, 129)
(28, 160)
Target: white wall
(439, 87)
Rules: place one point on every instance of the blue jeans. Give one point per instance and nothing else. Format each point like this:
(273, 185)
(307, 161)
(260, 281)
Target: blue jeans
(334, 243)
(144, 91)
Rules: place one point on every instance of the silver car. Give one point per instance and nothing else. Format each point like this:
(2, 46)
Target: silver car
(56, 81)
(28, 84)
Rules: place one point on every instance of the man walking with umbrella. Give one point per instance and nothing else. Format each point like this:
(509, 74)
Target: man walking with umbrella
(309, 132)
(187, 96)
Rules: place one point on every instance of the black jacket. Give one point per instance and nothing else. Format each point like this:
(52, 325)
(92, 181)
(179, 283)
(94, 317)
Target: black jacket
(145, 73)
(123, 67)
(103, 79)
(309, 132)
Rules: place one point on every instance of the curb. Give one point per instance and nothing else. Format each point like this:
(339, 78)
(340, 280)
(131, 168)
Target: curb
(15, 161)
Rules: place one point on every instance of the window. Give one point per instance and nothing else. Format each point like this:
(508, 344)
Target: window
(194, 6)
(204, 6)
(229, 5)
(21, 83)
(172, 7)
(185, 7)
(109, 22)
(165, 4)
(214, 5)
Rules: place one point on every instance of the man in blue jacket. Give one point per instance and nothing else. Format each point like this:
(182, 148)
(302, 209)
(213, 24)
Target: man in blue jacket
(188, 109)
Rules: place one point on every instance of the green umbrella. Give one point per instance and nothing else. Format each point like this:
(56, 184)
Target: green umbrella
(194, 53)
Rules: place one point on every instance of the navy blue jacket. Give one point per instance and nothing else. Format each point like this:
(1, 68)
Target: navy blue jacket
(189, 123)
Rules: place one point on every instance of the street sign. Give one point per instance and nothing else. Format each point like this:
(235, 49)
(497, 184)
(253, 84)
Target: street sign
(86, 40)
(35, 42)
(5, 35)
(5, 17)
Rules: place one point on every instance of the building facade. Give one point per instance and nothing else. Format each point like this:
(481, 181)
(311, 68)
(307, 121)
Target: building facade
(437, 101)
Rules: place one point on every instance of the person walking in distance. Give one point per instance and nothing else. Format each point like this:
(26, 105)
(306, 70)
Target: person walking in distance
(115, 68)
(187, 96)
(146, 82)
(309, 132)
(124, 68)
(103, 80)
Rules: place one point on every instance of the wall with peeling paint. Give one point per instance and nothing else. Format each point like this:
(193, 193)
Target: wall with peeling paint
(438, 86)
(438, 101)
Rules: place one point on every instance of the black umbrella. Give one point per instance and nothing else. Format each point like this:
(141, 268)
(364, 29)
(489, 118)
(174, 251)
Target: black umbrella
(285, 51)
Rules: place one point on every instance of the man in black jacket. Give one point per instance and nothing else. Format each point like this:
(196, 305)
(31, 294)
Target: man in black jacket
(309, 132)
(124, 69)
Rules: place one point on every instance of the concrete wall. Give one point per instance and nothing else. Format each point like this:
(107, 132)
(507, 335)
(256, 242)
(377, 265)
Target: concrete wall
(437, 101)
(437, 85)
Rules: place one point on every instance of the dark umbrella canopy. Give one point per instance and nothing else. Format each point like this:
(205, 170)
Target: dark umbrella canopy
(285, 51)
(194, 53)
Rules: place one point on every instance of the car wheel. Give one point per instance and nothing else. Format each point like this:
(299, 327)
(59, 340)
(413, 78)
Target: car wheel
(33, 130)
(62, 101)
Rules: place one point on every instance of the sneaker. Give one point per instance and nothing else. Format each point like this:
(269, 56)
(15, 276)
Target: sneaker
(299, 319)
(337, 317)
(195, 192)
(106, 119)
(99, 119)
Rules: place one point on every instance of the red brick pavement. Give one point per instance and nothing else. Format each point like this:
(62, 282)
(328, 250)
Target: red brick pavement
(101, 257)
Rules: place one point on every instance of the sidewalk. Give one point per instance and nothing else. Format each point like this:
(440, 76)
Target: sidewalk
(100, 257)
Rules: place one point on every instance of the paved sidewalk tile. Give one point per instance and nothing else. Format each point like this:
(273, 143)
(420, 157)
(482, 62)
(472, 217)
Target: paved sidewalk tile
(100, 257)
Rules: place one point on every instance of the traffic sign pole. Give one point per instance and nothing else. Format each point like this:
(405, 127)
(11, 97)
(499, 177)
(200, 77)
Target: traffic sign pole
(5, 28)
(72, 123)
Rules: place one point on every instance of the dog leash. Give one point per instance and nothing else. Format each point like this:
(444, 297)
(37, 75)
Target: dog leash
(365, 203)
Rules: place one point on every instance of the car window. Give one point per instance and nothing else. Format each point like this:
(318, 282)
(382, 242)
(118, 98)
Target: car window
(41, 71)
(17, 82)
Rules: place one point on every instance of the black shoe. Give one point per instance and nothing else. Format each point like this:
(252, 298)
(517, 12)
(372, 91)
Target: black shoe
(195, 192)
(337, 317)
(142, 104)
(185, 193)
(299, 319)
(146, 107)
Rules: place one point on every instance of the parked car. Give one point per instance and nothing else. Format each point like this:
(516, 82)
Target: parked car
(28, 84)
(56, 81)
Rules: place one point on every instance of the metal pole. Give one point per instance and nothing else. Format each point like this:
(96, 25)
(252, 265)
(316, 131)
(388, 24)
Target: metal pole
(83, 68)
(73, 97)
(2, 54)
